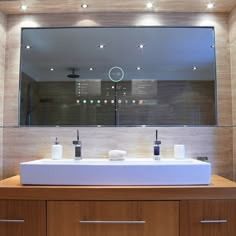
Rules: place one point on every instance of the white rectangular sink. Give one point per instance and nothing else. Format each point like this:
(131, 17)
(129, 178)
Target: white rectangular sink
(133, 171)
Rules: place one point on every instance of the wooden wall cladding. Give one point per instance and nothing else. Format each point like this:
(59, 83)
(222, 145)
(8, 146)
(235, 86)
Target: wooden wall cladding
(232, 33)
(3, 29)
(66, 6)
(33, 143)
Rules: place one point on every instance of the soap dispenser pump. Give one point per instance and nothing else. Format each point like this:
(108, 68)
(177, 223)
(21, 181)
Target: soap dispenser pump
(56, 150)
(77, 144)
(156, 148)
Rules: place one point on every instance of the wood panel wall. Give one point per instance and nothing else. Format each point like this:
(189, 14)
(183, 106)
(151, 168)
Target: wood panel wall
(232, 33)
(3, 29)
(21, 144)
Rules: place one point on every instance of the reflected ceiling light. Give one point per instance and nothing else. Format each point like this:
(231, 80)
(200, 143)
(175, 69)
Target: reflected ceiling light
(23, 7)
(210, 5)
(138, 68)
(101, 46)
(84, 5)
(194, 68)
(141, 46)
(149, 5)
(28, 47)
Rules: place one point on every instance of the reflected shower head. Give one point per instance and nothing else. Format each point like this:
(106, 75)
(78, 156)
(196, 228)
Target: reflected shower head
(73, 75)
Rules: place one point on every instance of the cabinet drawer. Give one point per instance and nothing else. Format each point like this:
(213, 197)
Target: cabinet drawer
(113, 218)
(22, 218)
(208, 218)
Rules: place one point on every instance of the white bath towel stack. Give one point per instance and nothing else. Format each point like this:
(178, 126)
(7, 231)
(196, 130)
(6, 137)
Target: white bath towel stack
(117, 155)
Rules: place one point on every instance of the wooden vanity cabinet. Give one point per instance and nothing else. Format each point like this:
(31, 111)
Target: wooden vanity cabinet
(118, 210)
(113, 218)
(22, 218)
(208, 218)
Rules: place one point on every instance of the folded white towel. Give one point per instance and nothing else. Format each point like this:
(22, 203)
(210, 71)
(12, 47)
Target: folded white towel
(117, 155)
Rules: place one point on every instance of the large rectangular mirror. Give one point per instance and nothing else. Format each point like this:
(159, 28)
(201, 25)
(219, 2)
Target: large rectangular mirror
(118, 76)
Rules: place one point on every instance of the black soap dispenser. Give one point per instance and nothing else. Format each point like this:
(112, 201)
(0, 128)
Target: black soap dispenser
(156, 148)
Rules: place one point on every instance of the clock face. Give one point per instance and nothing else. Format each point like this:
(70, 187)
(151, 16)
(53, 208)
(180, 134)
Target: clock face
(116, 74)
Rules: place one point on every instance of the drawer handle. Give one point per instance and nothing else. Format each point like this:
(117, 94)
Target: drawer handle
(213, 221)
(112, 222)
(11, 221)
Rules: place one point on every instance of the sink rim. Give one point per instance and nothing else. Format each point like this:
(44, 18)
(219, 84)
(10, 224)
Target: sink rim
(107, 162)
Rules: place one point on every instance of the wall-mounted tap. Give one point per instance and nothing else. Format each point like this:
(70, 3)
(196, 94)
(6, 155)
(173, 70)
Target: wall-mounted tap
(77, 144)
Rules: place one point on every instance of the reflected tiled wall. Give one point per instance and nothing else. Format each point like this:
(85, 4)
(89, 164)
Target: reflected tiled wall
(21, 144)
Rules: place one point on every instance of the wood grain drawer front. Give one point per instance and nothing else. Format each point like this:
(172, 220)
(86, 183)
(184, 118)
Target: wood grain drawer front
(208, 218)
(22, 218)
(113, 218)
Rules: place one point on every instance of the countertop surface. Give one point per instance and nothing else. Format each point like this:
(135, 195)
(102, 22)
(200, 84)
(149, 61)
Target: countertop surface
(220, 188)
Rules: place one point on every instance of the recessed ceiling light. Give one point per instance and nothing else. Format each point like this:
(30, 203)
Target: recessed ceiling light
(149, 5)
(51, 69)
(210, 5)
(138, 68)
(91, 68)
(84, 5)
(101, 46)
(212, 46)
(194, 68)
(24, 7)
(141, 46)
(28, 47)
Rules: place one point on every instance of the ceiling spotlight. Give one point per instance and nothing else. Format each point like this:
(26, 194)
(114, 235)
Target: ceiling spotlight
(138, 68)
(149, 5)
(90, 68)
(213, 46)
(141, 46)
(24, 7)
(84, 5)
(28, 47)
(101, 46)
(51, 69)
(210, 5)
(194, 68)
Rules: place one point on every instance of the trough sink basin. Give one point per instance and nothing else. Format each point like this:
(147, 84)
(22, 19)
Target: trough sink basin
(132, 171)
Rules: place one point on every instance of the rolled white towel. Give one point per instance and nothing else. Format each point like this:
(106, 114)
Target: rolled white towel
(117, 154)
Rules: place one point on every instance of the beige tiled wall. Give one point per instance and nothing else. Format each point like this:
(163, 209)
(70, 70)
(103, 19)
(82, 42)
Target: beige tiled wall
(21, 144)
(3, 25)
